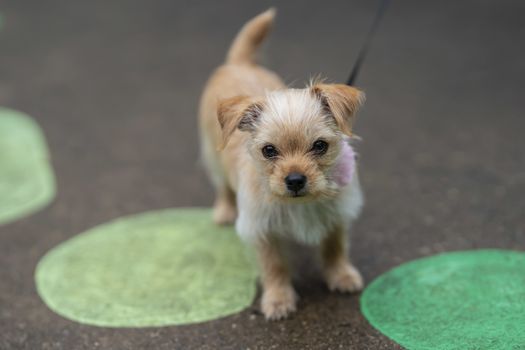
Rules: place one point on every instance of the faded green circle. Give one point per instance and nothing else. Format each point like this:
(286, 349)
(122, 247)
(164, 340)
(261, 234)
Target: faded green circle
(461, 300)
(159, 268)
(27, 182)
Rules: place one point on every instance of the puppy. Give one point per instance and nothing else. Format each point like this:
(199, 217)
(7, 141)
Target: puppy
(281, 165)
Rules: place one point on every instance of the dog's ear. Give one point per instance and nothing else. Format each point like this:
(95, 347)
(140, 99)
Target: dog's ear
(341, 102)
(239, 112)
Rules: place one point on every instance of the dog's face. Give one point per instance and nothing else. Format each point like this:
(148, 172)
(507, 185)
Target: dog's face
(296, 136)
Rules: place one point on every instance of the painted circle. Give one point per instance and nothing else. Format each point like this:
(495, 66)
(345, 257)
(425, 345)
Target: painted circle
(27, 182)
(159, 268)
(460, 300)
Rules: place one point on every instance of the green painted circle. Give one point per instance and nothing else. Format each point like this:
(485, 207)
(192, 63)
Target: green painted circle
(27, 182)
(159, 268)
(461, 300)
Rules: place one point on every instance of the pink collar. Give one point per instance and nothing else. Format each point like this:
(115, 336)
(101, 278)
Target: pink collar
(344, 169)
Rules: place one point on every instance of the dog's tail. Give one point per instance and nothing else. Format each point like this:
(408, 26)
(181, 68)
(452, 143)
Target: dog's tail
(250, 37)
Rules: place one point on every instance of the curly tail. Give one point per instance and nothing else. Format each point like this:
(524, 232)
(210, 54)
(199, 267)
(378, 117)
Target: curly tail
(250, 37)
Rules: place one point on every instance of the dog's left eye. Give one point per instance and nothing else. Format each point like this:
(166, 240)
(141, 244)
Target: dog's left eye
(320, 147)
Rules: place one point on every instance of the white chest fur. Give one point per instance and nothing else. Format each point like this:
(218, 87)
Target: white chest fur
(304, 222)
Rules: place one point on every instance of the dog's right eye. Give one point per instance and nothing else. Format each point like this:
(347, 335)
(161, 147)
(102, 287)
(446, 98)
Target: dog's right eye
(269, 151)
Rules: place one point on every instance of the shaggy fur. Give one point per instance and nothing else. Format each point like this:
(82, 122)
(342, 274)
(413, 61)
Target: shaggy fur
(245, 109)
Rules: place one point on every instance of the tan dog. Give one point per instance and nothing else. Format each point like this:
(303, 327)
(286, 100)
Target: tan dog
(270, 152)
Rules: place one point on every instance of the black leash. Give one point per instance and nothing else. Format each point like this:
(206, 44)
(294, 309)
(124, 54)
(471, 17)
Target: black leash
(364, 49)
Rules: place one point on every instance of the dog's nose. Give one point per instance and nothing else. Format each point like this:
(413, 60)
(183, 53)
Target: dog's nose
(295, 181)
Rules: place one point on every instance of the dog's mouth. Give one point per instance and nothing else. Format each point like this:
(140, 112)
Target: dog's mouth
(297, 194)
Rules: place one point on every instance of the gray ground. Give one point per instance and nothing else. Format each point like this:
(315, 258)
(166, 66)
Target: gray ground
(115, 86)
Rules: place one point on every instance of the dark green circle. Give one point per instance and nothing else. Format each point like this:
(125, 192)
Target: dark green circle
(460, 300)
(158, 268)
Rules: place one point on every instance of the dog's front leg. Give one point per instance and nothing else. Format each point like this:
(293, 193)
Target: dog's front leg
(339, 273)
(279, 298)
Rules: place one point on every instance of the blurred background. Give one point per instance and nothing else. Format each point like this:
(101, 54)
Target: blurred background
(115, 87)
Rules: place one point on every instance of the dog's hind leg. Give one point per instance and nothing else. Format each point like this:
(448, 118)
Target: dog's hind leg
(224, 208)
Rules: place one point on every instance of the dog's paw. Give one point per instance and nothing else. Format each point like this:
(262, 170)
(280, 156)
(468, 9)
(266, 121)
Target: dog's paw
(278, 303)
(344, 279)
(224, 213)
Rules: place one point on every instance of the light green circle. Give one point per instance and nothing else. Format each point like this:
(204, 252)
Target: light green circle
(27, 182)
(461, 300)
(159, 268)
